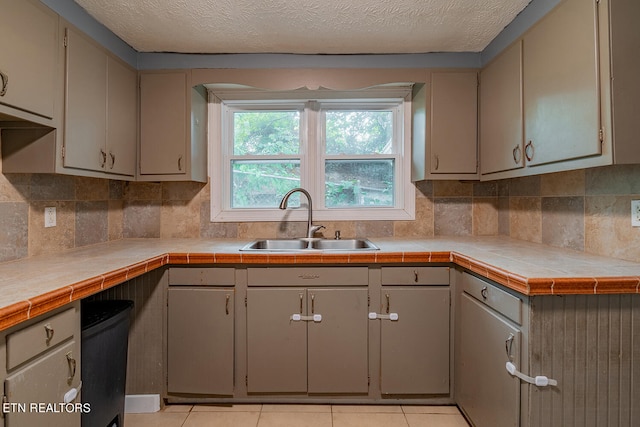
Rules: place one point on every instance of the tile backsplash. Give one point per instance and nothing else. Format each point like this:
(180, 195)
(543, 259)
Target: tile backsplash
(585, 210)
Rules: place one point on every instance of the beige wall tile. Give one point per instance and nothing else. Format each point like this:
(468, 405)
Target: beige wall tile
(525, 218)
(525, 186)
(141, 218)
(115, 219)
(92, 222)
(618, 180)
(14, 241)
(563, 222)
(452, 189)
(182, 190)
(15, 187)
(608, 229)
(142, 191)
(92, 189)
(453, 217)
(50, 240)
(485, 216)
(422, 226)
(569, 183)
(180, 218)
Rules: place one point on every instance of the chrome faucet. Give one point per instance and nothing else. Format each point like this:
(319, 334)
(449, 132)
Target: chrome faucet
(311, 229)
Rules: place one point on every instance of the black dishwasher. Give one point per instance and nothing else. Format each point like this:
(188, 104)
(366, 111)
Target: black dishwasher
(105, 338)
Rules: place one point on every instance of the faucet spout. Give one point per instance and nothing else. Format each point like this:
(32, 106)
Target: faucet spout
(310, 227)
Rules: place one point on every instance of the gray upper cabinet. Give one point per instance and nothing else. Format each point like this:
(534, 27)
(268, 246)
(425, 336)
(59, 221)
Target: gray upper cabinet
(101, 102)
(501, 116)
(173, 128)
(29, 72)
(569, 98)
(445, 122)
(561, 86)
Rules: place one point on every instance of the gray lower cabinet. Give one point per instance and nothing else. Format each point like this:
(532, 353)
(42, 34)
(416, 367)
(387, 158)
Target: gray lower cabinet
(200, 340)
(307, 340)
(415, 347)
(488, 338)
(42, 362)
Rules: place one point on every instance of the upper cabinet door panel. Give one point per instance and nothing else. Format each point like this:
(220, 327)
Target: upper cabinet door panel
(454, 115)
(86, 106)
(561, 85)
(501, 146)
(122, 123)
(29, 56)
(163, 118)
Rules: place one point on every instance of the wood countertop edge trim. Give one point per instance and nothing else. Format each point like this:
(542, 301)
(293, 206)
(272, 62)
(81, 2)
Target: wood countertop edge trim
(23, 310)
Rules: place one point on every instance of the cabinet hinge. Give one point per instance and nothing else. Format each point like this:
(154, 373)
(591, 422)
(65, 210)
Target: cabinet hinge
(368, 381)
(245, 300)
(601, 134)
(246, 381)
(368, 300)
(64, 151)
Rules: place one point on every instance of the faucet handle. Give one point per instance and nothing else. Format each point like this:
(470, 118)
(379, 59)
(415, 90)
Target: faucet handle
(314, 229)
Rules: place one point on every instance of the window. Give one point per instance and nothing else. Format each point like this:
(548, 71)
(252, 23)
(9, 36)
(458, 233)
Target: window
(350, 153)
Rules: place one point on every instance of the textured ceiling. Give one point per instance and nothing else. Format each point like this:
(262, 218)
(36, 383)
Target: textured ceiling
(305, 26)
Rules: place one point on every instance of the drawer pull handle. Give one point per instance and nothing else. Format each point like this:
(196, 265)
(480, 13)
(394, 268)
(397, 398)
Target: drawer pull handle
(517, 154)
(529, 151)
(49, 331)
(415, 276)
(226, 304)
(484, 292)
(72, 367)
(301, 298)
(313, 303)
(388, 302)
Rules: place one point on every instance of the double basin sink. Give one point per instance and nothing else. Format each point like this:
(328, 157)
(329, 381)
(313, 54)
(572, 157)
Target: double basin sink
(296, 245)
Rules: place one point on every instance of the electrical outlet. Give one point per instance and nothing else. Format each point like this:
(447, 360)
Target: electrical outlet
(635, 213)
(50, 217)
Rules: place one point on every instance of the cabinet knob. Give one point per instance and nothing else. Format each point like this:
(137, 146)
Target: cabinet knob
(5, 83)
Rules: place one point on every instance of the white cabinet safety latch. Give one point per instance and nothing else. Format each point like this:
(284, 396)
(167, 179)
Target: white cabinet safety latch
(390, 316)
(540, 380)
(300, 317)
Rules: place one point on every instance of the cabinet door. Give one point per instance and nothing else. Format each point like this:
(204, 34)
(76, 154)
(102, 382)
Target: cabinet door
(42, 382)
(561, 85)
(122, 128)
(454, 123)
(200, 341)
(338, 344)
(501, 133)
(29, 60)
(485, 390)
(86, 105)
(276, 346)
(415, 348)
(163, 118)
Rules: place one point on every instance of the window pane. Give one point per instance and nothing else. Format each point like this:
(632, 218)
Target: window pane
(359, 183)
(359, 132)
(266, 132)
(262, 184)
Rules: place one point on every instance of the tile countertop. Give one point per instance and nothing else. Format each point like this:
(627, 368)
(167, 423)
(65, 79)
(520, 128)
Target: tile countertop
(33, 286)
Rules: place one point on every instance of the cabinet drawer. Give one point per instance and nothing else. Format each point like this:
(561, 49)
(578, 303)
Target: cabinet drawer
(39, 337)
(501, 301)
(415, 275)
(202, 276)
(308, 276)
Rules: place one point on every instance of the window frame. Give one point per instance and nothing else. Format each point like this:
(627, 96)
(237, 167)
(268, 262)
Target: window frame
(312, 151)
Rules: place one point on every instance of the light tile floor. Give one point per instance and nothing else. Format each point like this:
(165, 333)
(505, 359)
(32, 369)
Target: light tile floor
(299, 416)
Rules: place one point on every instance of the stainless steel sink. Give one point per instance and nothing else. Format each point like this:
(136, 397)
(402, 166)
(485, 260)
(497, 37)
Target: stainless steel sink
(296, 245)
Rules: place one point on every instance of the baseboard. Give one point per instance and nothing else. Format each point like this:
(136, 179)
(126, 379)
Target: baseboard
(141, 403)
